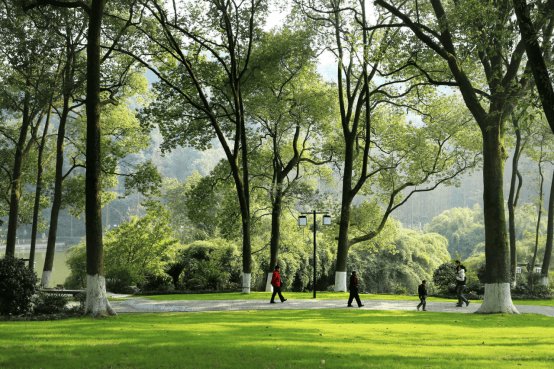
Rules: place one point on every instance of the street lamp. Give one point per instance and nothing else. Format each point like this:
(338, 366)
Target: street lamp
(302, 221)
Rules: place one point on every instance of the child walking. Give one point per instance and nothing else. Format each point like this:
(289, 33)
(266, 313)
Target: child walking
(422, 292)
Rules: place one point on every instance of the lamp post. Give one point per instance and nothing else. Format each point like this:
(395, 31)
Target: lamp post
(302, 221)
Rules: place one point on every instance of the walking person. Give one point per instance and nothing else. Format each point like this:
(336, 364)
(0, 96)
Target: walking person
(422, 292)
(461, 284)
(354, 290)
(276, 283)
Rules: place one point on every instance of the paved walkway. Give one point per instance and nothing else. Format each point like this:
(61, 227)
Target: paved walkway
(144, 305)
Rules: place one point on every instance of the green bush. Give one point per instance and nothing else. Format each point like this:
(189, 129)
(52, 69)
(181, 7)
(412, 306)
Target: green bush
(77, 263)
(481, 273)
(208, 265)
(81, 298)
(524, 292)
(534, 280)
(46, 303)
(160, 283)
(18, 284)
(444, 275)
(119, 279)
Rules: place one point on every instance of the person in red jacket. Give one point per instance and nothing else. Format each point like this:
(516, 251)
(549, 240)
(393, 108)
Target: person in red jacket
(276, 283)
(354, 290)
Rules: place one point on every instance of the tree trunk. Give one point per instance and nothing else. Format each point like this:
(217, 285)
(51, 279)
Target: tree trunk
(57, 201)
(38, 191)
(344, 223)
(245, 207)
(549, 234)
(539, 216)
(512, 203)
(97, 302)
(497, 284)
(16, 178)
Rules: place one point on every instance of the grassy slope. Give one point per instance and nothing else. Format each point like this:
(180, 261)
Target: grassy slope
(272, 339)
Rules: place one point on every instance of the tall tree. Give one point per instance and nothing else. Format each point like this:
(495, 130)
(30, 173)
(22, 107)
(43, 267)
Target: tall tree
(520, 124)
(540, 152)
(540, 55)
(97, 302)
(201, 52)
(373, 94)
(481, 34)
(295, 111)
(72, 31)
(28, 63)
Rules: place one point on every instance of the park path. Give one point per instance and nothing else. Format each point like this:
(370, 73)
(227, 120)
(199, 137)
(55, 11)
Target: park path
(144, 305)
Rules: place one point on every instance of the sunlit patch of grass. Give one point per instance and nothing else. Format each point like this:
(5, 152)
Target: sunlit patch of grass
(272, 339)
(288, 295)
(534, 302)
(320, 295)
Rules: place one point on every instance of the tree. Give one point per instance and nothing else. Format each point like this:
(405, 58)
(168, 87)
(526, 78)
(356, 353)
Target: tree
(370, 106)
(201, 53)
(29, 57)
(137, 248)
(541, 155)
(539, 55)
(295, 110)
(479, 33)
(462, 227)
(97, 302)
(520, 122)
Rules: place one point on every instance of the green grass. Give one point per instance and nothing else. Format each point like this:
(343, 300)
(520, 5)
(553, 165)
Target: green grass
(534, 302)
(287, 295)
(320, 295)
(282, 339)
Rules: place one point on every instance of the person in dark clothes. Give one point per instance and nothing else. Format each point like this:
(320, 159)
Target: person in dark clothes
(354, 290)
(461, 284)
(422, 292)
(276, 283)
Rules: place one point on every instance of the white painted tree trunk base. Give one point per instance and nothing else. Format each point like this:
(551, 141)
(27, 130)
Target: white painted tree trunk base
(45, 279)
(246, 279)
(97, 303)
(544, 281)
(498, 299)
(268, 286)
(340, 281)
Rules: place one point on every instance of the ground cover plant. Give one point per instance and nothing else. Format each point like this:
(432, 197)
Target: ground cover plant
(273, 339)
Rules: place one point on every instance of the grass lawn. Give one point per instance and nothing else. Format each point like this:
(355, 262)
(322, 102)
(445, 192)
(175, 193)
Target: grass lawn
(320, 295)
(282, 339)
(287, 295)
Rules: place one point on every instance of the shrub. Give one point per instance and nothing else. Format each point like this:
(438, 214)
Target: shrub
(77, 263)
(525, 292)
(81, 298)
(208, 276)
(534, 280)
(161, 283)
(444, 275)
(401, 290)
(18, 284)
(119, 279)
(481, 273)
(46, 303)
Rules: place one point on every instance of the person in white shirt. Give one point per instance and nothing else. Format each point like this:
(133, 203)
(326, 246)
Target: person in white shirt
(461, 284)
